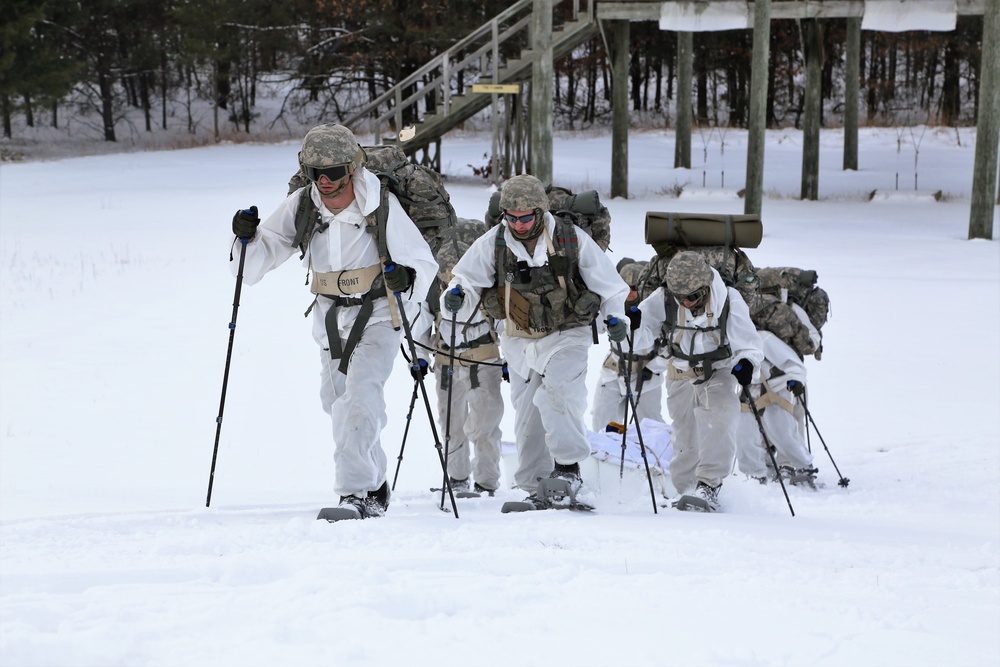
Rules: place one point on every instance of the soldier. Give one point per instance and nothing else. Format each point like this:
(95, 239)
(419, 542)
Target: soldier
(352, 316)
(645, 371)
(788, 337)
(703, 329)
(547, 299)
(782, 383)
(473, 384)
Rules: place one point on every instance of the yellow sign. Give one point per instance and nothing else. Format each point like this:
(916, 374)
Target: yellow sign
(499, 88)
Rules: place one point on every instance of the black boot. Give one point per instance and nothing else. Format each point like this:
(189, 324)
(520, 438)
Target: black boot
(380, 499)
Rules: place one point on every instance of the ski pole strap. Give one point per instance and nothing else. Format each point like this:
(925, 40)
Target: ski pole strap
(469, 356)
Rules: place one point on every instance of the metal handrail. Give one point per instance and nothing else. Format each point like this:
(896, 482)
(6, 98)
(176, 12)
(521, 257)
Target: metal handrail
(448, 69)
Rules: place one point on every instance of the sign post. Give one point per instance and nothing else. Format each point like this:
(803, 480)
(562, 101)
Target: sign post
(496, 89)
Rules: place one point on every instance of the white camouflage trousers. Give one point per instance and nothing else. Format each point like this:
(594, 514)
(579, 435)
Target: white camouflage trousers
(476, 412)
(610, 400)
(705, 417)
(549, 411)
(356, 405)
(785, 430)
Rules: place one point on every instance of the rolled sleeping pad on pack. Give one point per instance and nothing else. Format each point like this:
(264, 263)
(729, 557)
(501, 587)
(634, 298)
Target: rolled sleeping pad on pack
(700, 229)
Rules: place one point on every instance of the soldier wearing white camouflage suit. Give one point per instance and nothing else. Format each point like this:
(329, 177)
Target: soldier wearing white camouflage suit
(352, 312)
(546, 346)
(706, 334)
(645, 372)
(477, 406)
(776, 396)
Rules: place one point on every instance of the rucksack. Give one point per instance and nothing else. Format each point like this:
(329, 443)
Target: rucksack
(716, 237)
(802, 290)
(584, 210)
(419, 190)
(719, 238)
(452, 243)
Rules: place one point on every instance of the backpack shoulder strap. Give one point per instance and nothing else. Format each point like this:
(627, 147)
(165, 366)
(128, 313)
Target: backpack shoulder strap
(379, 218)
(307, 218)
(500, 255)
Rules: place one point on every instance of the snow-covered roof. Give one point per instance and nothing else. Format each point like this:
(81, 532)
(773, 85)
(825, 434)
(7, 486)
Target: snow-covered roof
(904, 15)
(881, 15)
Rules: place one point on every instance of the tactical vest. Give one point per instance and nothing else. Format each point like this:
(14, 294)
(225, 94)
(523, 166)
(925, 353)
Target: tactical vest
(671, 330)
(542, 299)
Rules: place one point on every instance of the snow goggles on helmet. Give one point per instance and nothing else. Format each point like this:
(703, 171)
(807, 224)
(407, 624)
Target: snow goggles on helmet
(334, 173)
(696, 296)
(519, 218)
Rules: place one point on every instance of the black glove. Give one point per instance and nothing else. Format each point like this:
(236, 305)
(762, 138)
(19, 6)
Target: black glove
(743, 370)
(245, 223)
(505, 373)
(616, 329)
(634, 317)
(647, 375)
(420, 370)
(797, 388)
(453, 299)
(398, 278)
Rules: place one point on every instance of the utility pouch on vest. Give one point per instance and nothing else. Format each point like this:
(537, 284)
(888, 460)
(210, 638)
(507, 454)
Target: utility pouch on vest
(587, 304)
(516, 307)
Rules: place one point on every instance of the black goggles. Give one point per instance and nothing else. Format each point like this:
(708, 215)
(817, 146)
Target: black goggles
(334, 173)
(518, 218)
(695, 297)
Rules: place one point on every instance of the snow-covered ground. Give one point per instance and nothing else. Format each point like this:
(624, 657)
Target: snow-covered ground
(115, 299)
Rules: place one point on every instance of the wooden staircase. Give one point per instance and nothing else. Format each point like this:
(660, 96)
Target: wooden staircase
(439, 93)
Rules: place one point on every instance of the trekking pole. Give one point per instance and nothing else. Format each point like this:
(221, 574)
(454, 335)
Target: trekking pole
(628, 390)
(768, 447)
(423, 391)
(447, 422)
(225, 375)
(630, 400)
(843, 480)
(406, 431)
(633, 325)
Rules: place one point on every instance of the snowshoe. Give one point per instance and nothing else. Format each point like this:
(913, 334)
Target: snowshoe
(804, 477)
(553, 493)
(352, 507)
(704, 499)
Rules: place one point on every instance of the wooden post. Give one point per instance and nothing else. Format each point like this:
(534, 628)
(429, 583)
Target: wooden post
(754, 194)
(682, 138)
(852, 73)
(619, 109)
(542, 70)
(984, 168)
(812, 38)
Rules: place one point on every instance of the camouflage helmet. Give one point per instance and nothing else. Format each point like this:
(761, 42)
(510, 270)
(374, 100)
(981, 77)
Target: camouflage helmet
(330, 145)
(623, 263)
(523, 193)
(631, 272)
(687, 273)
(447, 257)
